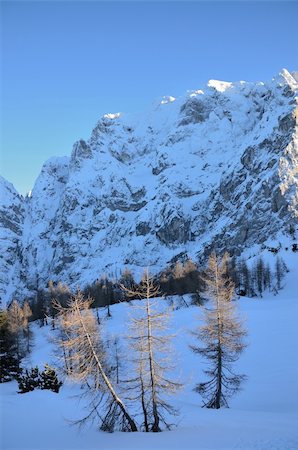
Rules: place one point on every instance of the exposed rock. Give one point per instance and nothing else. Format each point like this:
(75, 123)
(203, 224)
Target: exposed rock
(142, 229)
(122, 205)
(248, 157)
(12, 213)
(194, 111)
(177, 230)
(287, 123)
(217, 169)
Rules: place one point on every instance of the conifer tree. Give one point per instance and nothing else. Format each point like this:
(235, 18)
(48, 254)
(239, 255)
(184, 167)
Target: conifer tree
(267, 277)
(84, 353)
(222, 335)
(16, 324)
(49, 380)
(117, 358)
(192, 278)
(259, 275)
(9, 363)
(28, 380)
(127, 279)
(27, 313)
(151, 348)
(179, 278)
(31, 379)
(280, 270)
(60, 293)
(245, 279)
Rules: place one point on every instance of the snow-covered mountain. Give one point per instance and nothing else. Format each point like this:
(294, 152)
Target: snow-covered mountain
(216, 168)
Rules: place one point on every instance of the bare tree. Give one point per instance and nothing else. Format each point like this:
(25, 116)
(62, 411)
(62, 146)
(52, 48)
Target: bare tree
(9, 364)
(16, 325)
(117, 357)
(27, 313)
(127, 279)
(60, 293)
(85, 355)
(222, 335)
(151, 346)
(280, 270)
(62, 334)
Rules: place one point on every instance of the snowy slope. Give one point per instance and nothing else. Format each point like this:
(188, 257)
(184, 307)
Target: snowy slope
(12, 210)
(214, 168)
(263, 416)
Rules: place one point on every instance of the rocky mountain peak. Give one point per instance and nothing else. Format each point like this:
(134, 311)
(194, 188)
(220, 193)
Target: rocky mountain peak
(216, 168)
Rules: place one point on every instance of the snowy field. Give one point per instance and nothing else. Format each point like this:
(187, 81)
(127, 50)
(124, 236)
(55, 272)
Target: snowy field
(264, 415)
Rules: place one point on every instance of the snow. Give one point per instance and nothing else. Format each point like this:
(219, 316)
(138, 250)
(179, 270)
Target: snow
(263, 416)
(196, 93)
(295, 75)
(112, 115)
(287, 76)
(83, 215)
(167, 99)
(220, 86)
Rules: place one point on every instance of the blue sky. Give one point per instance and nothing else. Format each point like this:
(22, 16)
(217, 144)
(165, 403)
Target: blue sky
(64, 64)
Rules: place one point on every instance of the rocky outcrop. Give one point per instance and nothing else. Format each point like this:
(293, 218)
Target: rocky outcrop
(217, 168)
(194, 110)
(12, 212)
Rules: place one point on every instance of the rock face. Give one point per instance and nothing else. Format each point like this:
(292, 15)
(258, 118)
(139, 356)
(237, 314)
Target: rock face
(12, 212)
(217, 168)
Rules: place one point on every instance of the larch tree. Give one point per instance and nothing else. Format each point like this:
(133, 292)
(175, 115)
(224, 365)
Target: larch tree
(127, 279)
(14, 330)
(151, 348)
(259, 275)
(117, 357)
(245, 282)
(62, 352)
(27, 313)
(84, 354)
(16, 325)
(9, 363)
(57, 293)
(222, 335)
(280, 270)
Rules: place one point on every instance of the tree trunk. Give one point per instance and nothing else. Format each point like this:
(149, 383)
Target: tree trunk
(219, 352)
(146, 425)
(108, 384)
(155, 426)
(219, 379)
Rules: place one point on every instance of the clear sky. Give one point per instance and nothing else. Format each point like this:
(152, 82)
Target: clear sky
(65, 63)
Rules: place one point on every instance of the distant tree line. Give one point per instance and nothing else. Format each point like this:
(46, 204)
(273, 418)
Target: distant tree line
(180, 278)
(254, 280)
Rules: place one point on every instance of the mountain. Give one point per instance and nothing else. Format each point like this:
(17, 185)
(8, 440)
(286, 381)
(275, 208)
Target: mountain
(216, 168)
(12, 214)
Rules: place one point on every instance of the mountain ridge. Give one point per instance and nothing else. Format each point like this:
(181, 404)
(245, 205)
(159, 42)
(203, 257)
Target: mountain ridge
(217, 168)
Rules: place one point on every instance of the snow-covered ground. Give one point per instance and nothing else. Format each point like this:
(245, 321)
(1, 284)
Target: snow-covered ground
(264, 415)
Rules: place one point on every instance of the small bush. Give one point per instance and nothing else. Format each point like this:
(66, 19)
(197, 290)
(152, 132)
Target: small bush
(32, 379)
(273, 250)
(28, 380)
(9, 368)
(49, 380)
